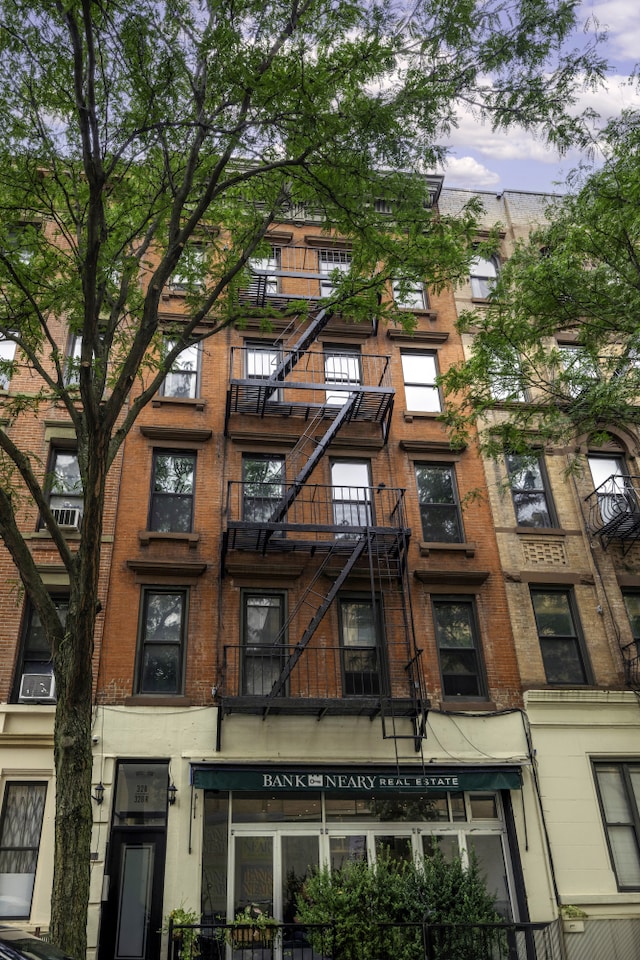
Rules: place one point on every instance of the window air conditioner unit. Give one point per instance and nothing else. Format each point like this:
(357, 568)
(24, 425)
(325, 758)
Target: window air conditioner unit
(37, 686)
(67, 517)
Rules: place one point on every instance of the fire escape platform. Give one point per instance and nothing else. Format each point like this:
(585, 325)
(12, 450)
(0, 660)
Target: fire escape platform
(614, 511)
(319, 707)
(257, 397)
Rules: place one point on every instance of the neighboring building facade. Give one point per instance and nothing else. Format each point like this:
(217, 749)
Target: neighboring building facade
(27, 685)
(571, 565)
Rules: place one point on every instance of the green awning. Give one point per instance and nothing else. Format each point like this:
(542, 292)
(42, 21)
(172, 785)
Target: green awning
(364, 780)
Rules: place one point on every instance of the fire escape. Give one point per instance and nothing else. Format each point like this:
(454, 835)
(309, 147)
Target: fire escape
(349, 539)
(613, 515)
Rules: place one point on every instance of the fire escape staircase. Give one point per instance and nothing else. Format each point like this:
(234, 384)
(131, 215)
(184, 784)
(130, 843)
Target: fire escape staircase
(384, 548)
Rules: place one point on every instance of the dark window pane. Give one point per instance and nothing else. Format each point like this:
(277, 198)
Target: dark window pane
(438, 504)
(19, 842)
(162, 639)
(172, 493)
(530, 498)
(562, 661)
(459, 662)
(160, 669)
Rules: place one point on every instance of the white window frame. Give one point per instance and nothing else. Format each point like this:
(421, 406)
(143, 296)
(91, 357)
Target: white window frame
(420, 371)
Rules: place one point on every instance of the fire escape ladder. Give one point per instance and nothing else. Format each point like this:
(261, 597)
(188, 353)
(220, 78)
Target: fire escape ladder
(315, 621)
(391, 568)
(297, 349)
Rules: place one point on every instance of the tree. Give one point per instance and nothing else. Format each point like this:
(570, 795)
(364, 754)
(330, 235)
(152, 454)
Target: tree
(141, 140)
(556, 352)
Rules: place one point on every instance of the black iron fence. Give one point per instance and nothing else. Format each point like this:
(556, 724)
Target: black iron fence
(378, 941)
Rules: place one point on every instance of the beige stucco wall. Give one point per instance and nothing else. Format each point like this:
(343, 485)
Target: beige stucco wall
(569, 730)
(26, 753)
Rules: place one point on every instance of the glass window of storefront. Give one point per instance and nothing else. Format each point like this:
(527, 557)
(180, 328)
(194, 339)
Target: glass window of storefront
(259, 847)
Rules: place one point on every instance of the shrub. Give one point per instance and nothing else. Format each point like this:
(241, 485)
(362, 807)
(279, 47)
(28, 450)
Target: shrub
(367, 907)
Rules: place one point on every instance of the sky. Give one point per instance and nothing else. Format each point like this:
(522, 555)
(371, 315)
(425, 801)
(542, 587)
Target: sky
(482, 160)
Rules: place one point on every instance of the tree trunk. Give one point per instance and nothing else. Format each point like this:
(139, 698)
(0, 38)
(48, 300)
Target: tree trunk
(72, 735)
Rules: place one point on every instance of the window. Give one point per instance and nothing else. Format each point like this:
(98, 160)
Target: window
(458, 648)
(162, 641)
(410, 295)
(72, 363)
(172, 491)
(264, 278)
(610, 483)
(507, 378)
(560, 640)
(262, 360)
(7, 354)
(262, 479)
(189, 273)
(577, 370)
(20, 829)
(34, 679)
(439, 509)
(484, 272)
(360, 652)
(263, 644)
(529, 491)
(341, 365)
(420, 371)
(330, 261)
(619, 791)
(351, 494)
(65, 488)
(182, 380)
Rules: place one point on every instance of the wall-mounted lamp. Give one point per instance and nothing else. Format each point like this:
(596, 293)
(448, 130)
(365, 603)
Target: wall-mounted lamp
(98, 796)
(172, 790)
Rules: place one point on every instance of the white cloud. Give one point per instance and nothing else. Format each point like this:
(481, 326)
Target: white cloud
(466, 171)
(620, 19)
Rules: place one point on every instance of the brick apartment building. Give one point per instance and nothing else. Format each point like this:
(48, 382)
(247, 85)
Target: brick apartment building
(571, 568)
(307, 653)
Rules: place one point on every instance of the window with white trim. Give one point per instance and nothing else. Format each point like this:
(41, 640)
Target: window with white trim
(483, 275)
(182, 381)
(409, 295)
(420, 371)
(7, 356)
(332, 262)
(66, 498)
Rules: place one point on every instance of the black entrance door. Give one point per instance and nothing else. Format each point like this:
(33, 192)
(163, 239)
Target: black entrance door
(134, 877)
(132, 913)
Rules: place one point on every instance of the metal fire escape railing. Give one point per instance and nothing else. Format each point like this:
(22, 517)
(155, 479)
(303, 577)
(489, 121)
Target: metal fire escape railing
(614, 511)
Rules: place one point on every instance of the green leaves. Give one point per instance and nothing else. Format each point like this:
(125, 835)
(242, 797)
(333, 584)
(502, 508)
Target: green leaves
(563, 324)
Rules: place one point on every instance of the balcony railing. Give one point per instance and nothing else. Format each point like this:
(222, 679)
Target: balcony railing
(411, 941)
(321, 515)
(292, 273)
(317, 379)
(325, 679)
(614, 510)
